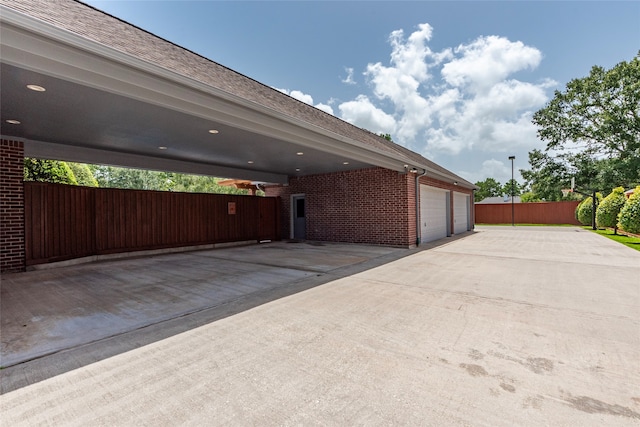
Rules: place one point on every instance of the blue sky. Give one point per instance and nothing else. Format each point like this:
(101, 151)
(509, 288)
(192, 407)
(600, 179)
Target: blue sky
(456, 81)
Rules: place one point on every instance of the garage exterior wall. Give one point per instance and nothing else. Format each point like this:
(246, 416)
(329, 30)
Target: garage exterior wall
(370, 206)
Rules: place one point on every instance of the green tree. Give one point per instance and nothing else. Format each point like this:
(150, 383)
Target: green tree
(629, 218)
(529, 197)
(140, 179)
(136, 179)
(547, 176)
(200, 184)
(83, 174)
(44, 170)
(609, 209)
(386, 136)
(595, 124)
(511, 187)
(487, 188)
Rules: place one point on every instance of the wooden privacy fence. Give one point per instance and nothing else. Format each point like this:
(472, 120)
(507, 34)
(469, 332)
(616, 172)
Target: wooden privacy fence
(64, 222)
(528, 213)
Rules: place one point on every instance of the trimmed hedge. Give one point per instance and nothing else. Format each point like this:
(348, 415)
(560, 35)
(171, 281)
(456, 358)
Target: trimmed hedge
(609, 208)
(583, 210)
(629, 217)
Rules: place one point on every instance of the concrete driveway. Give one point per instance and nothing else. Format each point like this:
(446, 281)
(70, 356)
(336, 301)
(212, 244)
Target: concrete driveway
(507, 326)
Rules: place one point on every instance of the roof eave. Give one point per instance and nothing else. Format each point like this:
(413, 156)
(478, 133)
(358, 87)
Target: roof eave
(64, 55)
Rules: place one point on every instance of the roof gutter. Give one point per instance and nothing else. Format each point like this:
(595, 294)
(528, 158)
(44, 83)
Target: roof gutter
(259, 116)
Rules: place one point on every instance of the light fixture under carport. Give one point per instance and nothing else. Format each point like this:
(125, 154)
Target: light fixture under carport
(36, 88)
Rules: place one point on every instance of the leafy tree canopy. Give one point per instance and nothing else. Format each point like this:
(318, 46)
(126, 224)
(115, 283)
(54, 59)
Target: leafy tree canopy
(592, 130)
(60, 172)
(487, 188)
(43, 170)
(83, 174)
(512, 187)
(549, 175)
(529, 197)
(140, 179)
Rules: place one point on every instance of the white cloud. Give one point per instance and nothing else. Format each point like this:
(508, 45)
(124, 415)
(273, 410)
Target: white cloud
(408, 57)
(492, 168)
(400, 82)
(366, 115)
(307, 99)
(457, 99)
(300, 96)
(349, 79)
(464, 101)
(324, 107)
(487, 61)
(496, 168)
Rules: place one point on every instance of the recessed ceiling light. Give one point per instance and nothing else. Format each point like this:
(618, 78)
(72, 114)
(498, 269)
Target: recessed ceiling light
(36, 88)
(345, 163)
(297, 169)
(299, 153)
(162, 148)
(250, 162)
(214, 131)
(13, 122)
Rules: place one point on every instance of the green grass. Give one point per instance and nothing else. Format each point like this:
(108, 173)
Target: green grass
(630, 241)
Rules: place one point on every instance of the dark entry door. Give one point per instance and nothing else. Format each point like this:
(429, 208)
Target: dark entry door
(299, 218)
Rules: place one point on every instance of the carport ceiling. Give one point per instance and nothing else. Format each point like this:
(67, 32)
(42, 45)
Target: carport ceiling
(73, 122)
(103, 106)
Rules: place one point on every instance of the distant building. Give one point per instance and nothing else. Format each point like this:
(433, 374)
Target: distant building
(498, 200)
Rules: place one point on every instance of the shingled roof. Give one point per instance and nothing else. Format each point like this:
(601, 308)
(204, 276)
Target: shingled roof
(99, 27)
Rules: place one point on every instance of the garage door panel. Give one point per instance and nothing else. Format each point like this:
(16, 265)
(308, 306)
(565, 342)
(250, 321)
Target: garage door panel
(460, 212)
(433, 213)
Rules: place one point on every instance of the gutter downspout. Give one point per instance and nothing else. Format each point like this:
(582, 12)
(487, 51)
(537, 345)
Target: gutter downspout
(473, 209)
(418, 229)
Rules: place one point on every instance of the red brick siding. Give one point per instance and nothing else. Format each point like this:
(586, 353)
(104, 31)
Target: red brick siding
(371, 206)
(12, 249)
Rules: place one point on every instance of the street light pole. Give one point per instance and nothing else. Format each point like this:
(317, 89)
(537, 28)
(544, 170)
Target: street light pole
(513, 222)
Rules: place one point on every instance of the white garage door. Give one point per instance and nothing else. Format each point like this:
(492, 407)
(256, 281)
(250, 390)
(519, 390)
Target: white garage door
(460, 213)
(433, 213)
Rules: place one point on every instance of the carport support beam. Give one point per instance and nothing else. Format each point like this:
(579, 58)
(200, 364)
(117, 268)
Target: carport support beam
(12, 226)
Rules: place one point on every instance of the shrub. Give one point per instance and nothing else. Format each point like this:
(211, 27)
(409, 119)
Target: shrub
(43, 170)
(629, 218)
(609, 208)
(529, 197)
(83, 174)
(584, 210)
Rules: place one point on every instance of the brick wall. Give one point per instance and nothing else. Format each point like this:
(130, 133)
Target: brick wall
(370, 206)
(12, 249)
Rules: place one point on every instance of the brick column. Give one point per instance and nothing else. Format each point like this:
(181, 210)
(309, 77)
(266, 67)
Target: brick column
(12, 233)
